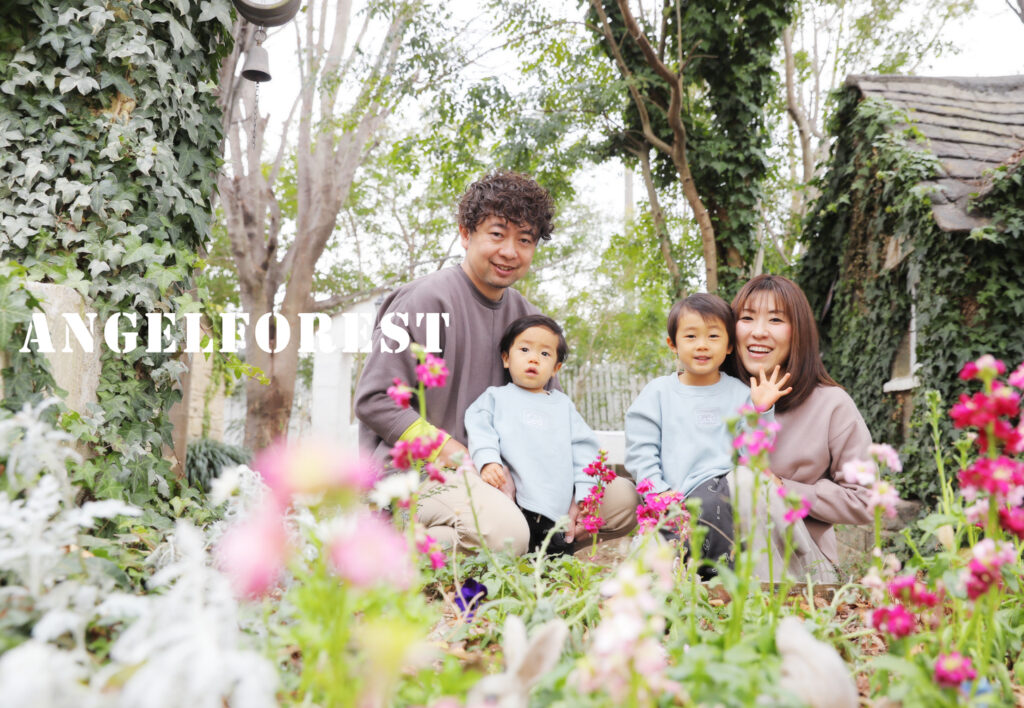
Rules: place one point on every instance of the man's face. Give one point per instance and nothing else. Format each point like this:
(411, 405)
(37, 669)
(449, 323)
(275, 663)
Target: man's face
(498, 253)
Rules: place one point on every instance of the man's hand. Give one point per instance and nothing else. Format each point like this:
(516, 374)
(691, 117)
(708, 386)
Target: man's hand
(764, 393)
(497, 476)
(453, 453)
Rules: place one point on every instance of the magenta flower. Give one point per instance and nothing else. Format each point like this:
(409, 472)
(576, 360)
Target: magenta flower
(400, 393)
(252, 552)
(371, 552)
(404, 452)
(432, 373)
(983, 571)
(894, 620)
(998, 477)
(953, 669)
(1012, 520)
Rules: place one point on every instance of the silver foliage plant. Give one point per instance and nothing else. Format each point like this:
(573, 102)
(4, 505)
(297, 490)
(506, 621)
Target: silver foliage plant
(179, 647)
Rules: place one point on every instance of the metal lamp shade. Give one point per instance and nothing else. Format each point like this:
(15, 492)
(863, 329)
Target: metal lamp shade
(257, 64)
(268, 14)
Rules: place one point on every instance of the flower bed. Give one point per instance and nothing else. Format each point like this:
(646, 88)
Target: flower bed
(305, 594)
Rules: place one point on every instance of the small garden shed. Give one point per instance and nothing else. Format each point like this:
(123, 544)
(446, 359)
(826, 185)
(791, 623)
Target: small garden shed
(917, 257)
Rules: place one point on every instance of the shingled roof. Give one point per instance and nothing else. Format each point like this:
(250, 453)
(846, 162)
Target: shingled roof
(972, 124)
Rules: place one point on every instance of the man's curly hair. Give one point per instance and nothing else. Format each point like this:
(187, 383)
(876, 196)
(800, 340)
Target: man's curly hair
(511, 196)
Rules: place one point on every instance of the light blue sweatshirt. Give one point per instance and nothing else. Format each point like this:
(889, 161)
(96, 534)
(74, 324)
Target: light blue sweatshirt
(542, 438)
(676, 435)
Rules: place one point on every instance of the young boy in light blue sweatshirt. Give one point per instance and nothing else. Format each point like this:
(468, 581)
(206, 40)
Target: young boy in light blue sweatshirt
(676, 432)
(539, 434)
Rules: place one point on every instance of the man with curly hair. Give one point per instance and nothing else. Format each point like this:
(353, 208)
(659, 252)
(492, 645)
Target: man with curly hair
(502, 217)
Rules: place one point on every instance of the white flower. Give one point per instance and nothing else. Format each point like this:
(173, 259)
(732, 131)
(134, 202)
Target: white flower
(395, 487)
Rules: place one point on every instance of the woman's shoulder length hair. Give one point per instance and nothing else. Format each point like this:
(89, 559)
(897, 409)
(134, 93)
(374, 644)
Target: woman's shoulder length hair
(805, 367)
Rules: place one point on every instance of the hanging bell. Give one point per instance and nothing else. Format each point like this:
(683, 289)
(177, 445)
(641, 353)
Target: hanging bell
(257, 64)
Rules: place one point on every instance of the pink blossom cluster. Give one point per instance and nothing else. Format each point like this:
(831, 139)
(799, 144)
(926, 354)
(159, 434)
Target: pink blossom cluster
(757, 439)
(430, 548)
(626, 661)
(953, 669)
(885, 455)
(590, 506)
(991, 412)
(908, 590)
(894, 620)
(797, 505)
(400, 393)
(984, 367)
(254, 551)
(654, 507)
(433, 372)
(984, 570)
(405, 452)
(865, 473)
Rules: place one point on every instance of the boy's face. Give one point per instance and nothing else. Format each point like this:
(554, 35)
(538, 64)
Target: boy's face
(498, 253)
(700, 346)
(533, 358)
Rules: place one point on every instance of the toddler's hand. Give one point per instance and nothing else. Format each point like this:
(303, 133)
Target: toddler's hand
(494, 474)
(764, 393)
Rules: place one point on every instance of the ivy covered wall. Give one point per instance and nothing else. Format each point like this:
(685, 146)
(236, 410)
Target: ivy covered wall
(969, 294)
(109, 146)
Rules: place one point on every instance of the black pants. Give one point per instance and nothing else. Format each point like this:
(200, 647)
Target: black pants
(540, 526)
(716, 515)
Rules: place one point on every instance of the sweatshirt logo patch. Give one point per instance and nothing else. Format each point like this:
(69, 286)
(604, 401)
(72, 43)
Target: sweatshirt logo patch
(533, 419)
(707, 417)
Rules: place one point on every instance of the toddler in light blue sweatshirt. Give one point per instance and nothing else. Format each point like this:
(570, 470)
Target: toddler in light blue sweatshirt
(538, 433)
(676, 434)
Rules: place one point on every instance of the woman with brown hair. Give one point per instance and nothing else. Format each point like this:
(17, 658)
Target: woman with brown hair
(821, 428)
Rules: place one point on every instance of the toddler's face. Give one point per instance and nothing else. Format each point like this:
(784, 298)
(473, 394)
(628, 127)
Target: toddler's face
(533, 358)
(701, 346)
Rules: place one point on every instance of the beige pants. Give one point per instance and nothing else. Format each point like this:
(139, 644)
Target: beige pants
(769, 524)
(447, 512)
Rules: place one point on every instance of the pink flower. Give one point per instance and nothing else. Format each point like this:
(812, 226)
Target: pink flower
(404, 452)
(400, 393)
(645, 487)
(432, 373)
(910, 591)
(894, 620)
(314, 466)
(600, 469)
(653, 507)
(252, 552)
(884, 495)
(983, 571)
(371, 552)
(799, 507)
(1012, 520)
(430, 548)
(953, 669)
(860, 472)
(1017, 377)
(433, 473)
(985, 367)
(885, 455)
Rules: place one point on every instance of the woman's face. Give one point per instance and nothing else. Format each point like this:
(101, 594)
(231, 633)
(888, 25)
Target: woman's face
(763, 334)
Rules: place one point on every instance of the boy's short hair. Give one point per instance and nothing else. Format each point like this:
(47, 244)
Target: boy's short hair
(511, 196)
(708, 307)
(524, 323)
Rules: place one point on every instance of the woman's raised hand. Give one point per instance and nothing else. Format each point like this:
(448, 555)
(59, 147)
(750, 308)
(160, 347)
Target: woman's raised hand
(764, 393)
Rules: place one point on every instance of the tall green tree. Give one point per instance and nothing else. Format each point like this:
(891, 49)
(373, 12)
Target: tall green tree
(698, 77)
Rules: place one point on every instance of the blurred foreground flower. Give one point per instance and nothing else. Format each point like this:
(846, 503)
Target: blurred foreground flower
(371, 551)
(253, 552)
(952, 669)
(314, 467)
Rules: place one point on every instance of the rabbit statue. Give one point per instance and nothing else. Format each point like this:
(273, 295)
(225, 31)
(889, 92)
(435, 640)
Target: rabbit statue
(812, 669)
(525, 662)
